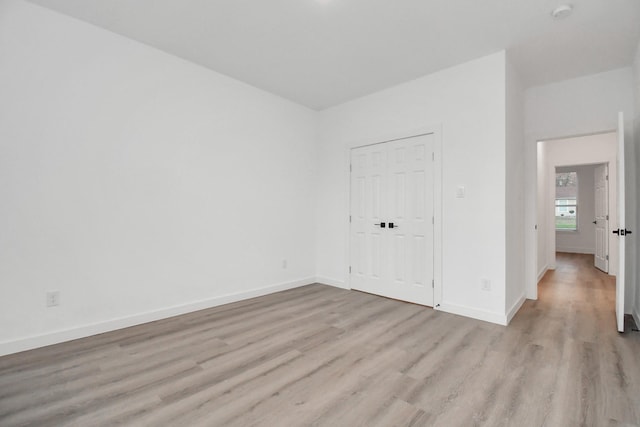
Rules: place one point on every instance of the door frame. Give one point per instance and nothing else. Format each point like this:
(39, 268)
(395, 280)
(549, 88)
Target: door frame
(537, 238)
(549, 209)
(549, 238)
(436, 130)
(534, 236)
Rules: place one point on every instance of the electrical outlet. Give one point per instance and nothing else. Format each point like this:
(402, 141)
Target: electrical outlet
(486, 284)
(53, 298)
(284, 264)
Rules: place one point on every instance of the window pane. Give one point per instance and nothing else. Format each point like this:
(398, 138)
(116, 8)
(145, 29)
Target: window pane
(566, 218)
(566, 201)
(567, 185)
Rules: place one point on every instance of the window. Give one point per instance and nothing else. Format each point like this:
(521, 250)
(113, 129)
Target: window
(567, 201)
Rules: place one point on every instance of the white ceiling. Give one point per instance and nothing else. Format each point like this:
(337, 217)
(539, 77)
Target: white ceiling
(320, 53)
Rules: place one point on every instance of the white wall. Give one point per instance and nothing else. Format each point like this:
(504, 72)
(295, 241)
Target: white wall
(582, 240)
(586, 150)
(580, 106)
(138, 184)
(515, 166)
(468, 101)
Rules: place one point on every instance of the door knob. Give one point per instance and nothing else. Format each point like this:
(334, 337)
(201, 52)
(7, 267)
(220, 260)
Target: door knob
(595, 222)
(391, 225)
(621, 231)
(383, 225)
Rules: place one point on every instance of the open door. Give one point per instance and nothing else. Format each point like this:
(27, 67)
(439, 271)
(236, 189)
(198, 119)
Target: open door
(601, 258)
(621, 231)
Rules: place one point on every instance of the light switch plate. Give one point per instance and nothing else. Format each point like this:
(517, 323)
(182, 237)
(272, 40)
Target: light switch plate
(460, 192)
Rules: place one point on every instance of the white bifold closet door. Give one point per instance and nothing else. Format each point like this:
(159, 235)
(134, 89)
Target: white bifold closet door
(392, 199)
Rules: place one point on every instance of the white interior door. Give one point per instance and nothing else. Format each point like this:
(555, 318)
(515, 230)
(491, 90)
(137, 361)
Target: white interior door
(601, 259)
(620, 278)
(368, 211)
(411, 219)
(392, 227)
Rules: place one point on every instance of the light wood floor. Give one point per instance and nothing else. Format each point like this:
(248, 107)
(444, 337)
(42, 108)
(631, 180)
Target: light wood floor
(323, 356)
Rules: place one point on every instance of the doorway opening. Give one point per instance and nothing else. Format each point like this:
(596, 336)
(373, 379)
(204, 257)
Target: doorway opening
(566, 155)
(553, 156)
(581, 211)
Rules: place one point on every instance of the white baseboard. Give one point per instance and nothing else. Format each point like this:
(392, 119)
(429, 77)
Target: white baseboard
(332, 282)
(542, 272)
(515, 308)
(636, 316)
(574, 250)
(474, 313)
(36, 341)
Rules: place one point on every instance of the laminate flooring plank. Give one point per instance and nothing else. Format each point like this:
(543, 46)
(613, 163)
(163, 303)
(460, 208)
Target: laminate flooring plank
(232, 403)
(103, 374)
(344, 372)
(366, 401)
(312, 315)
(437, 358)
(256, 351)
(74, 366)
(114, 412)
(398, 413)
(184, 403)
(239, 317)
(67, 405)
(620, 380)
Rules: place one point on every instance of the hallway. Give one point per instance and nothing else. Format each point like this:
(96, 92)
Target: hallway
(596, 369)
(580, 296)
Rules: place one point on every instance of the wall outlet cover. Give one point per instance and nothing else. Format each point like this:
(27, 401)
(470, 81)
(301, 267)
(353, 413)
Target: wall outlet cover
(52, 298)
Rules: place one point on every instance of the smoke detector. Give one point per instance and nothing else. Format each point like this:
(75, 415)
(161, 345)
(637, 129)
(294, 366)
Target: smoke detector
(562, 11)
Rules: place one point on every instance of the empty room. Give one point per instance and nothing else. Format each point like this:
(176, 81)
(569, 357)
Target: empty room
(319, 212)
